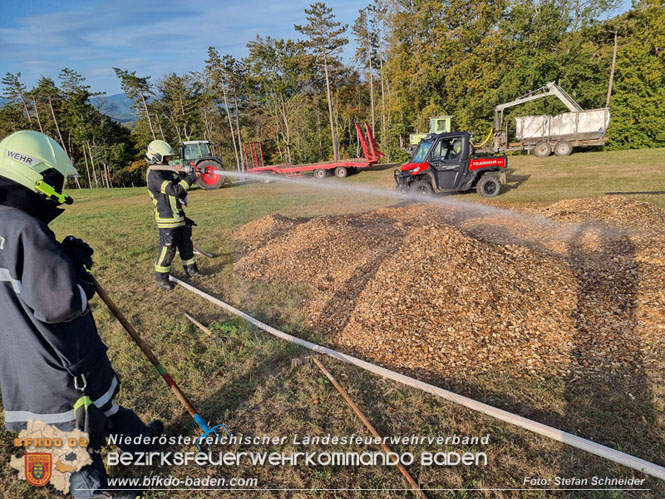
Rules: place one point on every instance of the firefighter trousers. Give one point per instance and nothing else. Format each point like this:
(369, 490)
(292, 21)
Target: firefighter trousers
(171, 240)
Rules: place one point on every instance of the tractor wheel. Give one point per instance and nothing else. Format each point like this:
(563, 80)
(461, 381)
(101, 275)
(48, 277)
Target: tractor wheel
(422, 187)
(542, 150)
(341, 172)
(563, 148)
(210, 181)
(489, 186)
(320, 173)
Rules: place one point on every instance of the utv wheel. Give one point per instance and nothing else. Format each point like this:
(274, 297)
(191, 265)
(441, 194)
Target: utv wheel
(320, 173)
(542, 150)
(563, 148)
(489, 186)
(422, 187)
(341, 172)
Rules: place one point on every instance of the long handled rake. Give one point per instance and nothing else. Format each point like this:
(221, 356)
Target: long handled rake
(207, 430)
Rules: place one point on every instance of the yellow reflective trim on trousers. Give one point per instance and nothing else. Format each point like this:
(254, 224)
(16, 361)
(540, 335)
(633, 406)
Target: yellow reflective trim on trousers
(191, 261)
(162, 255)
(158, 264)
(162, 189)
(83, 402)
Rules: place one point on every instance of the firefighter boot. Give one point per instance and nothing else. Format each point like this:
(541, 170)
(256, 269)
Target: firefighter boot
(193, 270)
(163, 282)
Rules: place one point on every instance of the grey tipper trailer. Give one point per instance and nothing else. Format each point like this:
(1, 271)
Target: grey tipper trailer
(545, 134)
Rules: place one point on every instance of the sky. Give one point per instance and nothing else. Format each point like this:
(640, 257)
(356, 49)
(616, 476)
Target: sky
(151, 37)
(40, 37)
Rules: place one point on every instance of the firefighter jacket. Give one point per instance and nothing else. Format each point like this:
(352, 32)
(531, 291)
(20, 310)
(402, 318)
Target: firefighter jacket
(50, 351)
(168, 192)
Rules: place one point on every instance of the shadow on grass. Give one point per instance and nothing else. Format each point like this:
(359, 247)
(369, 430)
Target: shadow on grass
(633, 192)
(514, 181)
(614, 404)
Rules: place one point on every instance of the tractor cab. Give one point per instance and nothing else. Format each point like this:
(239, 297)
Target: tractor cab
(198, 153)
(445, 162)
(194, 150)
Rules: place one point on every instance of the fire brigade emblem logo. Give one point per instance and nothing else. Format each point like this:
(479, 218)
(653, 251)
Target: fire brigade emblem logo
(38, 468)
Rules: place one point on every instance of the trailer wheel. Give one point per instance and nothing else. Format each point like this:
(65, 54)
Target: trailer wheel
(422, 187)
(489, 185)
(265, 178)
(341, 172)
(212, 180)
(542, 150)
(563, 148)
(320, 173)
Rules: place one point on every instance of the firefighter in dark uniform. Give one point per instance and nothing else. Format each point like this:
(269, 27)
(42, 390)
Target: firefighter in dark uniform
(168, 191)
(53, 364)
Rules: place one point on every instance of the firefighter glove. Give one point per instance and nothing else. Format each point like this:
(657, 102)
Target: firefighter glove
(87, 283)
(91, 420)
(191, 178)
(79, 251)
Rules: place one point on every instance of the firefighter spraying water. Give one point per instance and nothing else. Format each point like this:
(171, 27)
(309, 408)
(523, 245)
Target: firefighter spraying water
(168, 188)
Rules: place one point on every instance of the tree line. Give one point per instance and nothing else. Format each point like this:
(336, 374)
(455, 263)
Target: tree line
(413, 59)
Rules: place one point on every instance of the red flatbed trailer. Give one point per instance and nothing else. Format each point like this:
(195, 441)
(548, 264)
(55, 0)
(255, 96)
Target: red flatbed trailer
(340, 168)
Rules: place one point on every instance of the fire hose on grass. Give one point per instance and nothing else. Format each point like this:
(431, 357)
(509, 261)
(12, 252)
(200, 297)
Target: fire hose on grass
(208, 432)
(597, 449)
(414, 485)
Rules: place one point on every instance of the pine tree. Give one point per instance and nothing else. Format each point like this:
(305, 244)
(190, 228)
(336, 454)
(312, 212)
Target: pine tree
(216, 77)
(366, 41)
(15, 92)
(139, 89)
(325, 40)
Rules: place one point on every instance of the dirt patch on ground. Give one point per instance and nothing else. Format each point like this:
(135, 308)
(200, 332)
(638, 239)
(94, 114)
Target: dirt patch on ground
(455, 293)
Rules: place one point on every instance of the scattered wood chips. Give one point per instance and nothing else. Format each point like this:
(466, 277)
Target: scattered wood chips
(576, 287)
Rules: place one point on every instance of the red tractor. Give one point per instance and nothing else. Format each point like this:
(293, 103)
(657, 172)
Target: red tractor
(446, 162)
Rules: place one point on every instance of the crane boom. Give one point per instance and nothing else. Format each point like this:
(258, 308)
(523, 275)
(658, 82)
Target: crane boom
(550, 88)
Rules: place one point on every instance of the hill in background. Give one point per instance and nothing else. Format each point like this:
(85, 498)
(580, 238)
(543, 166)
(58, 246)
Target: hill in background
(117, 106)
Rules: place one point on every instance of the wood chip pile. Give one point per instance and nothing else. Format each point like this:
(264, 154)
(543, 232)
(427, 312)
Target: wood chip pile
(440, 290)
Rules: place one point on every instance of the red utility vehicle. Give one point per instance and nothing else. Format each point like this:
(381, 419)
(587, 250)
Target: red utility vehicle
(446, 162)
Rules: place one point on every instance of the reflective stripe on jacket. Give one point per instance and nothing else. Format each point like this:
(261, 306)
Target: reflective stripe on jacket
(167, 190)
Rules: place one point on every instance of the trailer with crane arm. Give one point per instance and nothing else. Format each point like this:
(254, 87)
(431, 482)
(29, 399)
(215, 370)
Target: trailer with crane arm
(544, 134)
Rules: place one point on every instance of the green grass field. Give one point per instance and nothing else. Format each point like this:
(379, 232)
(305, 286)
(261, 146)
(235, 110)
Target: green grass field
(256, 384)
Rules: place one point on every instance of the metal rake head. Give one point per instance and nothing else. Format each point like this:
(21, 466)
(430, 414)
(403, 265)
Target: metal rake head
(208, 432)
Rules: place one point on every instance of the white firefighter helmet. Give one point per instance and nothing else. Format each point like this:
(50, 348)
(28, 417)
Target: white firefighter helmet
(158, 151)
(38, 163)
